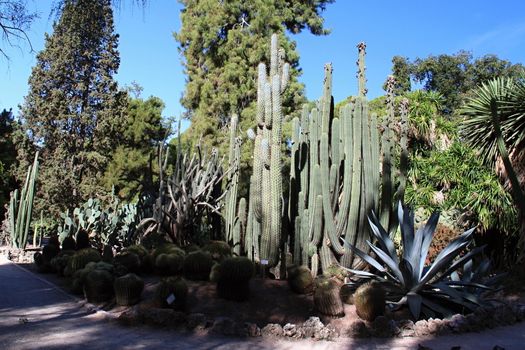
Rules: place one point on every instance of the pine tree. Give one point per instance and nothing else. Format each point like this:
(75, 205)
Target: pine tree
(222, 43)
(74, 109)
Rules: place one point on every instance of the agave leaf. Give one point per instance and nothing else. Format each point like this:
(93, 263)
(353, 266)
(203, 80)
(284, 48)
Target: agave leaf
(388, 261)
(383, 238)
(444, 287)
(407, 229)
(414, 304)
(444, 311)
(447, 255)
(461, 261)
(467, 270)
(365, 257)
(428, 233)
(454, 276)
(408, 272)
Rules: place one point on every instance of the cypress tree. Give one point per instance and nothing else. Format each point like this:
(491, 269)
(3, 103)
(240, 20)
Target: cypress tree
(74, 110)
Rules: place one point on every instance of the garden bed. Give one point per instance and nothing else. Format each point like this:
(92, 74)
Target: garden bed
(273, 310)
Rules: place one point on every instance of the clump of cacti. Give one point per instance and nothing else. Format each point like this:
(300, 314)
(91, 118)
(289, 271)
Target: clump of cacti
(219, 250)
(79, 277)
(130, 261)
(300, 279)
(61, 261)
(233, 282)
(172, 292)
(197, 266)
(98, 286)
(128, 289)
(43, 260)
(214, 272)
(82, 257)
(369, 301)
(169, 264)
(167, 248)
(326, 297)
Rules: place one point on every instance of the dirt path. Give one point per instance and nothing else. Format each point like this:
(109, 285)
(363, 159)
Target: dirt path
(35, 314)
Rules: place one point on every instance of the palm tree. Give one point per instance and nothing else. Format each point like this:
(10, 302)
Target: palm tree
(494, 123)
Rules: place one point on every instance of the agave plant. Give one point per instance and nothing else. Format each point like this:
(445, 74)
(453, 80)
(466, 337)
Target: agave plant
(428, 290)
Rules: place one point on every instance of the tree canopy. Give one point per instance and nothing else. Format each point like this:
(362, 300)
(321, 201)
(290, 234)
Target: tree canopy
(73, 111)
(222, 43)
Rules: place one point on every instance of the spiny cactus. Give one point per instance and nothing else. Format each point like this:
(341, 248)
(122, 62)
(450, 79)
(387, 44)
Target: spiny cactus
(79, 276)
(82, 257)
(172, 292)
(169, 264)
(43, 260)
(219, 250)
(130, 261)
(82, 240)
(369, 301)
(197, 266)
(300, 279)
(61, 261)
(326, 297)
(234, 278)
(98, 286)
(20, 208)
(266, 201)
(128, 289)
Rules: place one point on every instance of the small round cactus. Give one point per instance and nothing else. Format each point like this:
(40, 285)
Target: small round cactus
(169, 264)
(129, 260)
(219, 250)
(98, 286)
(82, 257)
(300, 279)
(172, 292)
(369, 301)
(326, 297)
(233, 282)
(128, 289)
(197, 266)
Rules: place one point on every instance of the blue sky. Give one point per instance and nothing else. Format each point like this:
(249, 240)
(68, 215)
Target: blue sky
(412, 29)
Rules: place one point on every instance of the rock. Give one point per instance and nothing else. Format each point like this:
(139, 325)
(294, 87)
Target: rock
(224, 326)
(358, 329)
(382, 327)
(292, 331)
(437, 327)
(504, 315)
(251, 330)
(163, 317)
(457, 324)
(519, 310)
(272, 330)
(130, 317)
(312, 326)
(196, 321)
(421, 328)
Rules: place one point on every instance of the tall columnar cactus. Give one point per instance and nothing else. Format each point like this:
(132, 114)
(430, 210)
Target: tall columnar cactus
(335, 176)
(21, 208)
(234, 159)
(266, 187)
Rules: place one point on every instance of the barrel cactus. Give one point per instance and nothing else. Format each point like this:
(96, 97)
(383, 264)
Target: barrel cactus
(369, 301)
(43, 260)
(128, 289)
(61, 261)
(234, 278)
(130, 261)
(326, 297)
(219, 250)
(98, 286)
(79, 276)
(169, 264)
(82, 240)
(300, 279)
(172, 292)
(197, 266)
(82, 257)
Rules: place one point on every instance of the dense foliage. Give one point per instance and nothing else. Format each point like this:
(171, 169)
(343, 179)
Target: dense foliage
(73, 112)
(222, 42)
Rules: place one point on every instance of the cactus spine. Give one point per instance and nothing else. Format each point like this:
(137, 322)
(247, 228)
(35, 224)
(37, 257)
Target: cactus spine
(21, 208)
